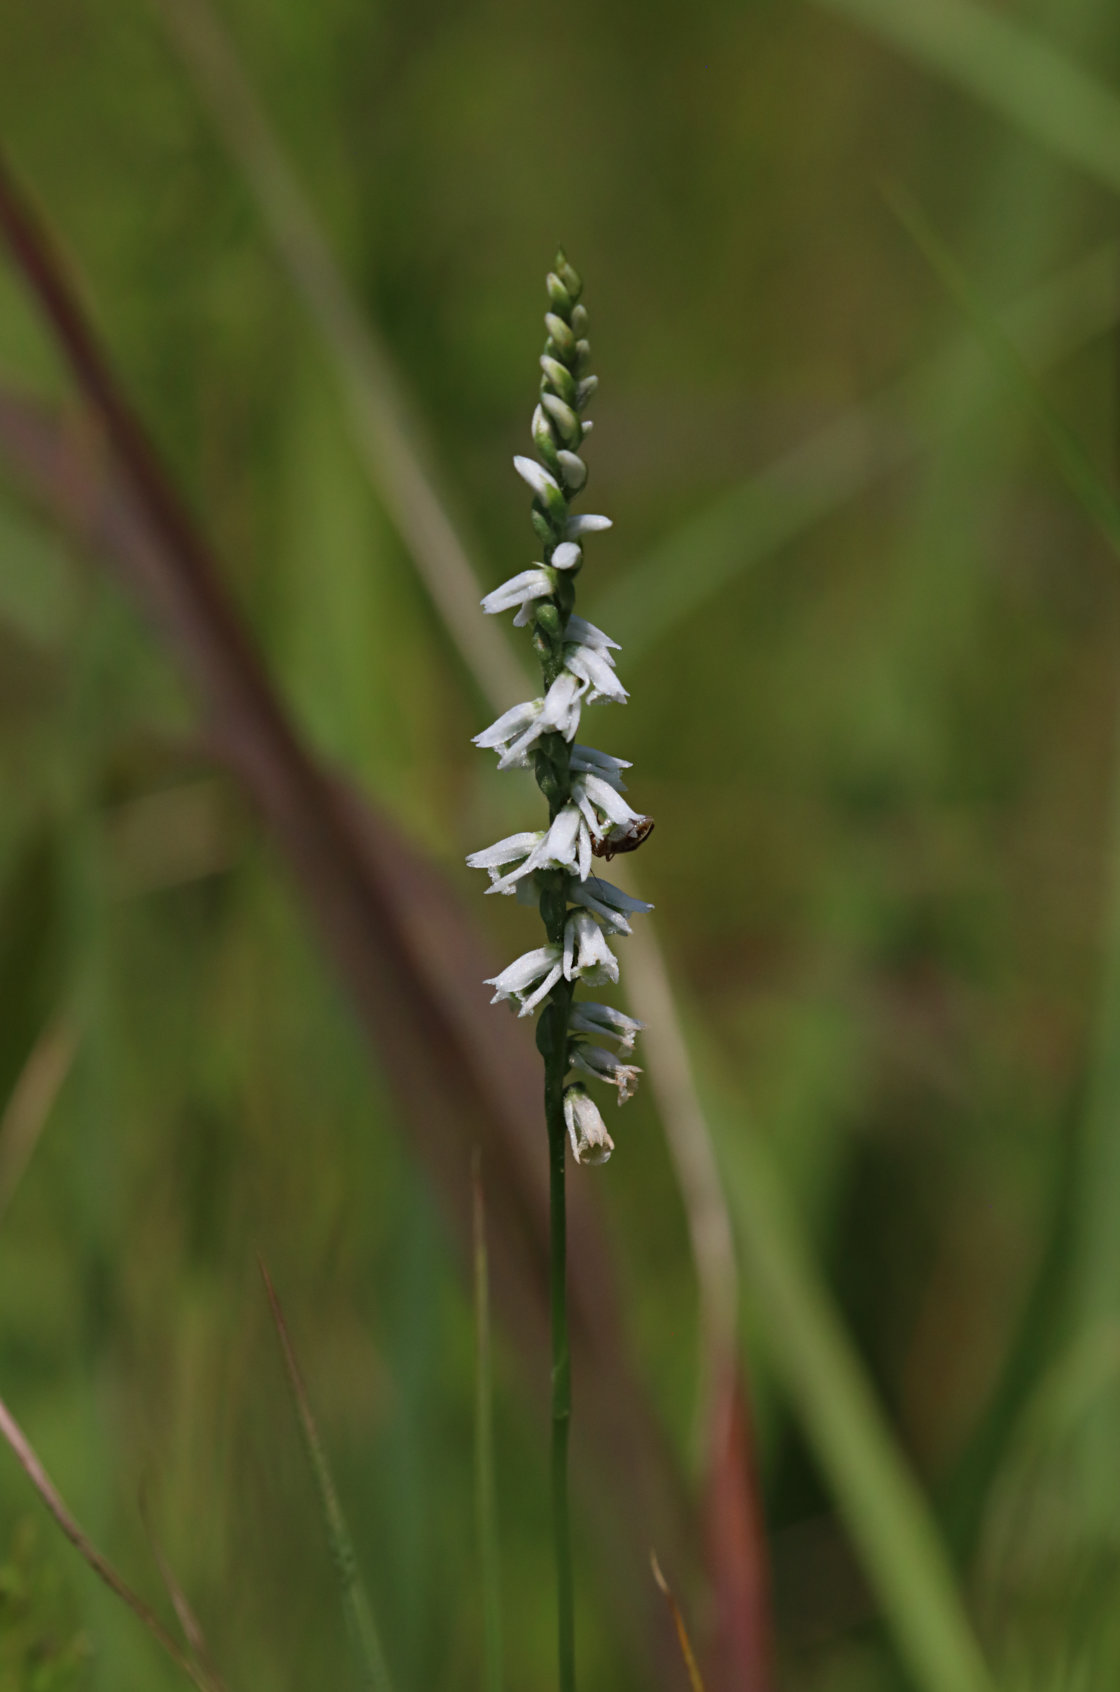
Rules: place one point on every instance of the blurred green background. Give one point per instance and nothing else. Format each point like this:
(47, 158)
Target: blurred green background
(872, 643)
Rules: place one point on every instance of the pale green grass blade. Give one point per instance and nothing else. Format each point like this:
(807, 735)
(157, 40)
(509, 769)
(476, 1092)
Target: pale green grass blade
(816, 478)
(485, 1500)
(1008, 68)
(882, 1505)
(359, 1612)
(1097, 1238)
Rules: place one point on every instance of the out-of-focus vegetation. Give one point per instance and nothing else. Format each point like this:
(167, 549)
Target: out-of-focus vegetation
(872, 641)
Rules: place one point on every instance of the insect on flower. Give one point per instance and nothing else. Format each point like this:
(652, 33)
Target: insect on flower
(626, 839)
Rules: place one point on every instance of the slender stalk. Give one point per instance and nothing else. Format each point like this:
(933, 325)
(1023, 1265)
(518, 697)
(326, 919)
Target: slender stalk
(485, 1507)
(555, 1069)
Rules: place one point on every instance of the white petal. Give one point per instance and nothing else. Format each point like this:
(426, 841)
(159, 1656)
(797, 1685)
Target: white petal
(586, 1129)
(561, 706)
(505, 851)
(587, 1017)
(586, 761)
(584, 849)
(586, 525)
(604, 797)
(566, 556)
(510, 723)
(537, 476)
(587, 634)
(546, 986)
(520, 590)
(518, 975)
(596, 669)
(604, 1066)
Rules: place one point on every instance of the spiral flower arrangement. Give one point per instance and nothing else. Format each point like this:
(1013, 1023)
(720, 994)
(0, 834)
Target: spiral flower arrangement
(588, 819)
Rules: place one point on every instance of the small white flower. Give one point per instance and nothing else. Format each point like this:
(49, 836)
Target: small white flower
(566, 556)
(596, 671)
(586, 953)
(587, 761)
(543, 485)
(588, 635)
(518, 728)
(593, 1060)
(587, 1017)
(544, 965)
(566, 845)
(586, 1129)
(607, 902)
(510, 724)
(589, 524)
(520, 593)
(601, 803)
(505, 851)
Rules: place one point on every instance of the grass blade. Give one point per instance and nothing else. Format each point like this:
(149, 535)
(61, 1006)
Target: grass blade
(355, 1602)
(32, 1467)
(1007, 68)
(695, 1681)
(485, 1499)
(886, 1515)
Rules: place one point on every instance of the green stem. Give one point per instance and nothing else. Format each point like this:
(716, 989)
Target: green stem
(555, 1068)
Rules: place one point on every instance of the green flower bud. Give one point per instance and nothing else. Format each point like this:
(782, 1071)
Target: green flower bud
(564, 417)
(568, 276)
(558, 296)
(559, 377)
(561, 336)
(578, 319)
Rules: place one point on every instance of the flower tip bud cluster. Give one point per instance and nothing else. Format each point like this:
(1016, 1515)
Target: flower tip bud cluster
(588, 817)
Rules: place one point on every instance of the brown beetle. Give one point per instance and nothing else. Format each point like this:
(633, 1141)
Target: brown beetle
(626, 839)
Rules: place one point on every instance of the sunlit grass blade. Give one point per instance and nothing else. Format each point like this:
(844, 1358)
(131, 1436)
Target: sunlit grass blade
(882, 1505)
(485, 1498)
(356, 1605)
(383, 425)
(692, 1668)
(1097, 1234)
(29, 1461)
(1007, 67)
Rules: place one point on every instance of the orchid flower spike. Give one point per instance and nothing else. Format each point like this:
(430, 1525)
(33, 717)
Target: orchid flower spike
(587, 815)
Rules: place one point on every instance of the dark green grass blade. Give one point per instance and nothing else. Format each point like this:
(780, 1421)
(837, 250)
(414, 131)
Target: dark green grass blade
(355, 1602)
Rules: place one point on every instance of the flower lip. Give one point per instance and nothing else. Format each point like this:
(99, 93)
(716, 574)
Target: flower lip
(586, 1129)
(606, 1023)
(544, 966)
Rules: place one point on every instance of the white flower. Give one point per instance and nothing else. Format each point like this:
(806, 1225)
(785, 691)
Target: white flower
(506, 851)
(516, 729)
(607, 902)
(601, 803)
(576, 527)
(586, 953)
(566, 845)
(586, 1129)
(566, 556)
(577, 628)
(545, 966)
(593, 1060)
(587, 1017)
(520, 592)
(595, 670)
(586, 760)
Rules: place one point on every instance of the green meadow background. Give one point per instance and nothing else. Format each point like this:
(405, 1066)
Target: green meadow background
(867, 594)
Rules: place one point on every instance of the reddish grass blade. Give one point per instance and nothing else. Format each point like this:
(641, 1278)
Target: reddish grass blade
(694, 1678)
(741, 1653)
(396, 932)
